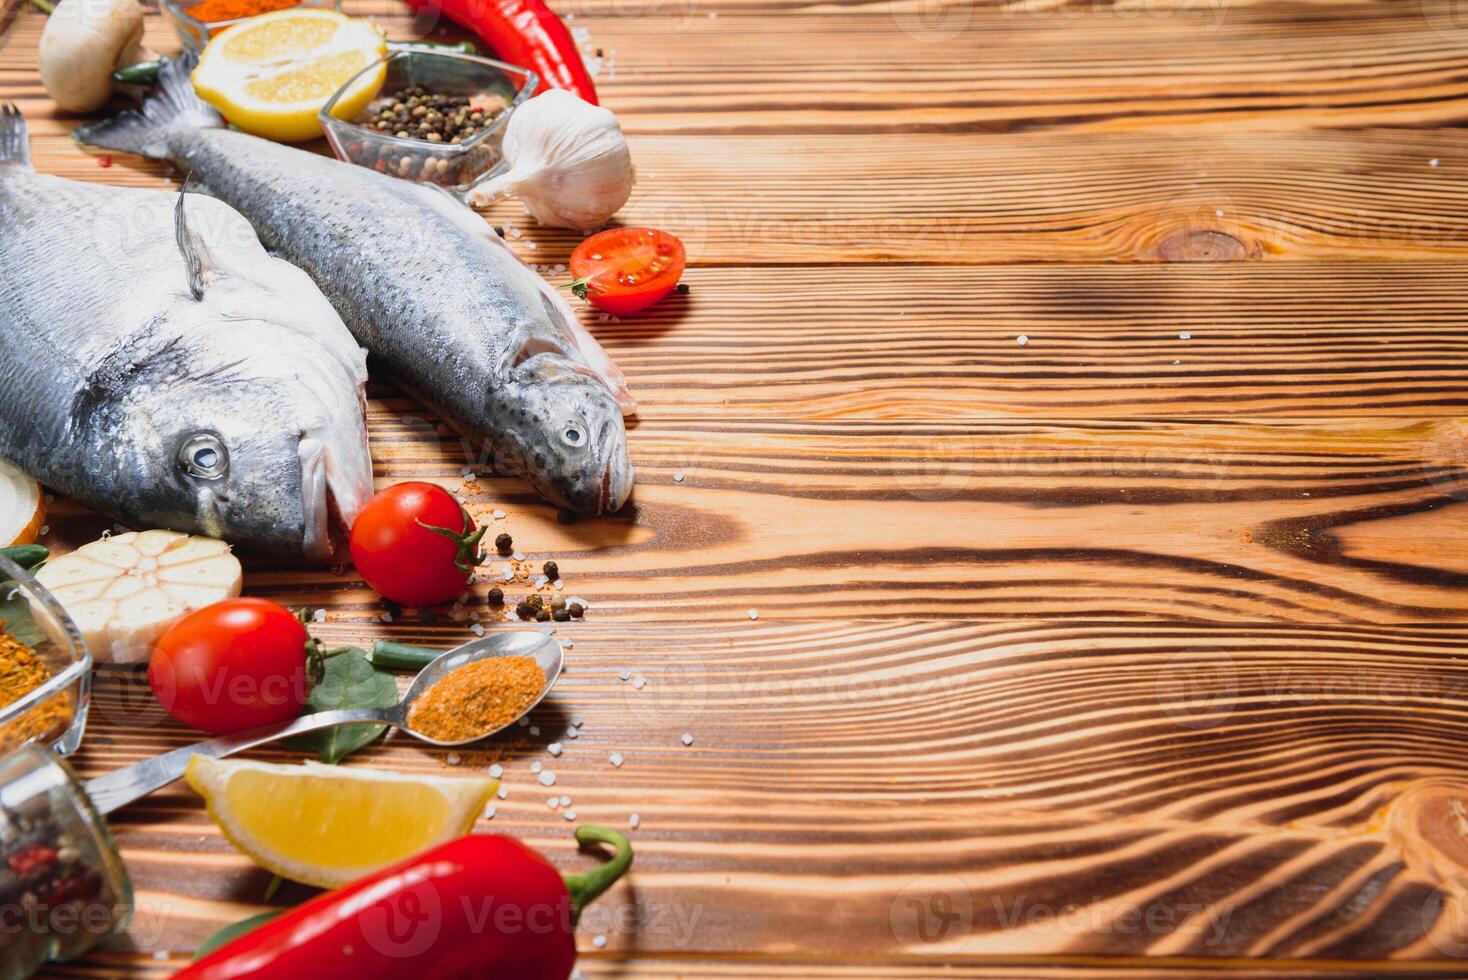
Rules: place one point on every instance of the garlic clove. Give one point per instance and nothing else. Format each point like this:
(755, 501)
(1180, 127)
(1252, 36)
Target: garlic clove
(569, 162)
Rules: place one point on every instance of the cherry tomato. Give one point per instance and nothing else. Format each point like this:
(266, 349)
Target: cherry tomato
(415, 544)
(231, 666)
(626, 270)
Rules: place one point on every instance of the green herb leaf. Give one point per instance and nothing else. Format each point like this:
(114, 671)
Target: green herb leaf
(15, 613)
(234, 931)
(348, 680)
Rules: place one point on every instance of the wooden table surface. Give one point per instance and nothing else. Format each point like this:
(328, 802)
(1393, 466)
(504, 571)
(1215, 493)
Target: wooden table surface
(1074, 390)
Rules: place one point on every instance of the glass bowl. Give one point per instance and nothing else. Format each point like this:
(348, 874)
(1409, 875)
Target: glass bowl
(56, 712)
(194, 34)
(457, 166)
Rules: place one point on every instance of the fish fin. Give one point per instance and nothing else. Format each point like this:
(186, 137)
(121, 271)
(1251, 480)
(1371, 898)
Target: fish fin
(196, 256)
(15, 148)
(172, 105)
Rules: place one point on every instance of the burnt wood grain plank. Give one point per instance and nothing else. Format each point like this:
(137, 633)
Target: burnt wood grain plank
(987, 70)
(1031, 197)
(1299, 521)
(1060, 788)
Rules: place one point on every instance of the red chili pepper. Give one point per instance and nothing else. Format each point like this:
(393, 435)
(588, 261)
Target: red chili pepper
(37, 857)
(480, 906)
(526, 33)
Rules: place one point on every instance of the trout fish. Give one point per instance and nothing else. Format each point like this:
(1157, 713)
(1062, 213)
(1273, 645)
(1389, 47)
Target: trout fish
(159, 366)
(424, 284)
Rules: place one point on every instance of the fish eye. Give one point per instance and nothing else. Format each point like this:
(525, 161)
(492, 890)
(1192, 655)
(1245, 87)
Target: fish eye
(204, 456)
(573, 434)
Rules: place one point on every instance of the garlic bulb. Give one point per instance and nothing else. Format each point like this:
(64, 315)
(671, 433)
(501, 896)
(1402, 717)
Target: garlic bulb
(569, 162)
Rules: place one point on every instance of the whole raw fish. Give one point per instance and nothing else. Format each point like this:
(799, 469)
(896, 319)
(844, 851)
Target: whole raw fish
(424, 284)
(157, 365)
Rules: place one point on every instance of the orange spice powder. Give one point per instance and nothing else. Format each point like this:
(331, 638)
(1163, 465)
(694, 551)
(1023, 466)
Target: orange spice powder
(21, 672)
(477, 698)
(215, 11)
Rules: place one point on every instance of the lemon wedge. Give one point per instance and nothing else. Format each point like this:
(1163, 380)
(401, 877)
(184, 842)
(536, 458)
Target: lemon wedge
(272, 74)
(328, 825)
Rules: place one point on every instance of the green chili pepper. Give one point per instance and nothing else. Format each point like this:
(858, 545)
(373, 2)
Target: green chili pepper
(401, 656)
(25, 555)
(142, 73)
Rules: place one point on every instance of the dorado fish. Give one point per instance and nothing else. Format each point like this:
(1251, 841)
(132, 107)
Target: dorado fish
(157, 365)
(424, 284)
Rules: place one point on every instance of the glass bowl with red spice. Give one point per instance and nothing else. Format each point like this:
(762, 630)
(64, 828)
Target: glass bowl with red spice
(45, 669)
(198, 21)
(440, 117)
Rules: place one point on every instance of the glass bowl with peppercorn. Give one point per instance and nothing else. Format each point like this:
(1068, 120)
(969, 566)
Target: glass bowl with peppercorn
(196, 21)
(45, 669)
(440, 117)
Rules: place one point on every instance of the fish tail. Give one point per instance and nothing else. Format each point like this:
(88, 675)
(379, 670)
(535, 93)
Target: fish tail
(15, 148)
(170, 107)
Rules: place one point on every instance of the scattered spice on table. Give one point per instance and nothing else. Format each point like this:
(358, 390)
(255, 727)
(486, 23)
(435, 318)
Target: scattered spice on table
(477, 698)
(21, 672)
(214, 11)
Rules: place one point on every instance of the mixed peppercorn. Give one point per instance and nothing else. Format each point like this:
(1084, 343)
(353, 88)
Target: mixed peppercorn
(416, 113)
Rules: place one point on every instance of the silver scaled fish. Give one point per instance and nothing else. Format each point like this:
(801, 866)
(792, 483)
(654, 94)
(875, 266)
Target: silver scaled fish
(159, 366)
(424, 284)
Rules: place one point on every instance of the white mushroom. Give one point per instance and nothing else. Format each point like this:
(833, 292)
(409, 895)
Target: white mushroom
(84, 42)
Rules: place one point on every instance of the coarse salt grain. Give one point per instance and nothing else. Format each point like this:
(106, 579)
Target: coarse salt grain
(452, 758)
(497, 514)
(565, 801)
(754, 614)
(577, 721)
(503, 794)
(554, 748)
(687, 739)
(477, 630)
(677, 477)
(633, 821)
(1433, 162)
(534, 729)
(639, 682)
(496, 770)
(1184, 335)
(554, 802)
(1022, 340)
(599, 941)
(616, 759)
(558, 585)
(536, 767)
(624, 675)
(547, 778)
(319, 616)
(489, 812)
(518, 556)
(569, 814)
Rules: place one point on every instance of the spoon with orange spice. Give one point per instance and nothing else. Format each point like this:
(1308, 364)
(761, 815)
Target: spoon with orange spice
(464, 695)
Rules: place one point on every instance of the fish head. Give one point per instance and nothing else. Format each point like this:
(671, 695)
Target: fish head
(563, 431)
(263, 448)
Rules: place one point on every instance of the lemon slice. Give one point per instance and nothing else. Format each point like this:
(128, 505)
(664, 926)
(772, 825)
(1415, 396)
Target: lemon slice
(328, 825)
(22, 511)
(272, 74)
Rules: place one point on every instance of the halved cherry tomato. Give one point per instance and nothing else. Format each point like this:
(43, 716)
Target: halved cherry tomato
(626, 270)
(415, 544)
(234, 665)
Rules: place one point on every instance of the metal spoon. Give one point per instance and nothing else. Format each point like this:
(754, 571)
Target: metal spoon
(123, 786)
